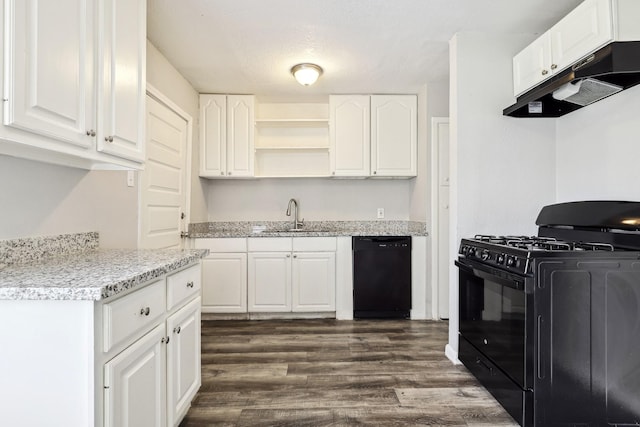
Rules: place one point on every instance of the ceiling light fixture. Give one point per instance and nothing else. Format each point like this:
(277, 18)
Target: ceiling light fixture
(306, 74)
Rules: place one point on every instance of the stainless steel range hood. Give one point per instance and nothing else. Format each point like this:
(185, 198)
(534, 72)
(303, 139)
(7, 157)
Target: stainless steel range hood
(610, 70)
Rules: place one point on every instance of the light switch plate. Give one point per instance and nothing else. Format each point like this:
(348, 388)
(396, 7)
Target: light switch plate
(130, 178)
(380, 213)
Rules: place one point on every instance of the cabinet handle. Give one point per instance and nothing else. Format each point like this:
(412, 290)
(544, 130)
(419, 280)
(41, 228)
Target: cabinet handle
(176, 330)
(229, 173)
(554, 66)
(374, 172)
(333, 173)
(145, 311)
(545, 72)
(167, 341)
(162, 340)
(91, 132)
(189, 284)
(108, 138)
(222, 173)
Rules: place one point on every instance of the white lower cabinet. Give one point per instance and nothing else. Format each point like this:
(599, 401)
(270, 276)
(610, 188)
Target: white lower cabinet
(134, 384)
(151, 382)
(269, 281)
(224, 275)
(183, 360)
(292, 274)
(314, 281)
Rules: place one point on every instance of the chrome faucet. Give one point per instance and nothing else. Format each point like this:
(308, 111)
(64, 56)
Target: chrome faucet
(296, 223)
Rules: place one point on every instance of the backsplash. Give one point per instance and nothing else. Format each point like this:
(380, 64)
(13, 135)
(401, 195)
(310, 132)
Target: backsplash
(29, 249)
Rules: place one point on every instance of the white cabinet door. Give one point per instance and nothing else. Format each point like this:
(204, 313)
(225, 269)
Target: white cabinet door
(269, 275)
(122, 78)
(314, 281)
(240, 135)
(183, 360)
(227, 135)
(394, 141)
(134, 383)
(213, 135)
(49, 70)
(532, 64)
(588, 27)
(224, 287)
(349, 135)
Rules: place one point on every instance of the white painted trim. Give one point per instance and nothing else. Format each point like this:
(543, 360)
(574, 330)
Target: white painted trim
(435, 200)
(344, 279)
(452, 354)
(418, 278)
(156, 94)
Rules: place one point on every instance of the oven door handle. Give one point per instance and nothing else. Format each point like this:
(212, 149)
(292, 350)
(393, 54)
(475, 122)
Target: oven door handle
(483, 273)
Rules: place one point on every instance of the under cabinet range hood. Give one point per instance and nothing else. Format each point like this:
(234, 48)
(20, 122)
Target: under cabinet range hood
(611, 69)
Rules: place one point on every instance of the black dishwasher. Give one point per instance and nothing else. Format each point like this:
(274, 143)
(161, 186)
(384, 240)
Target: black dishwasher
(382, 277)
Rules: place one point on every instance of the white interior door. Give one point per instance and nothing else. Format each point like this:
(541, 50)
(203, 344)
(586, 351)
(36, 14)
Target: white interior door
(163, 183)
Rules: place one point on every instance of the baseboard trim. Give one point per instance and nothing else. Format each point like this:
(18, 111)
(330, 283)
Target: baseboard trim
(452, 354)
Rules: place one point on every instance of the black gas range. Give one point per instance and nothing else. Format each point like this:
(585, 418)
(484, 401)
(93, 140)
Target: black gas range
(550, 324)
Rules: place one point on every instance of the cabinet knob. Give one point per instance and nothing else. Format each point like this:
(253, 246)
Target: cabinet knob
(176, 330)
(295, 256)
(108, 138)
(288, 256)
(333, 173)
(221, 173)
(554, 66)
(91, 132)
(229, 173)
(167, 340)
(545, 72)
(375, 172)
(189, 284)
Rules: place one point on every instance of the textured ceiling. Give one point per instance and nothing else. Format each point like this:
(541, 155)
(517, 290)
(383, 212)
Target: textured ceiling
(364, 46)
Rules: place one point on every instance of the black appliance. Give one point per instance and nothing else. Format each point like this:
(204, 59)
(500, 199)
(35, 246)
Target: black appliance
(550, 324)
(382, 277)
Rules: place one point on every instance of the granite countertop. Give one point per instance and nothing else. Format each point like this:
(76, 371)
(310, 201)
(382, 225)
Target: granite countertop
(309, 229)
(91, 274)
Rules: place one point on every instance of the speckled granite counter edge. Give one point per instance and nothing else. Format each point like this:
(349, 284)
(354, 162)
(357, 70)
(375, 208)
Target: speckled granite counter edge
(30, 249)
(310, 228)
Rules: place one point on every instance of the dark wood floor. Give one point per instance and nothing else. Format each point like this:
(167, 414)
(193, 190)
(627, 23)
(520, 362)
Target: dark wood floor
(335, 373)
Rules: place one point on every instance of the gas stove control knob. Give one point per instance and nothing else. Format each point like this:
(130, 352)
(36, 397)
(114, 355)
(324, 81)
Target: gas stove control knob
(485, 255)
(500, 259)
(511, 261)
(464, 250)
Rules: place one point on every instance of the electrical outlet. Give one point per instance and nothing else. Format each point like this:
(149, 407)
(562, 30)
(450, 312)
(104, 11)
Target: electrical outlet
(130, 178)
(380, 213)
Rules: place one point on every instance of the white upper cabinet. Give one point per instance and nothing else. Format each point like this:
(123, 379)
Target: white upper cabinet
(591, 25)
(349, 135)
(394, 141)
(121, 78)
(47, 92)
(75, 81)
(227, 135)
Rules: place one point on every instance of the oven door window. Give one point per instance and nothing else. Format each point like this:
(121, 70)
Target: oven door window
(492, 318)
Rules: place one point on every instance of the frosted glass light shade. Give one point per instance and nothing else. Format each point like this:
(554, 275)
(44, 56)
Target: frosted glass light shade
(306, 74)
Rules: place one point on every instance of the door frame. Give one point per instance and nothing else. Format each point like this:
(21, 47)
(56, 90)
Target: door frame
(435, 216)
(158, 96)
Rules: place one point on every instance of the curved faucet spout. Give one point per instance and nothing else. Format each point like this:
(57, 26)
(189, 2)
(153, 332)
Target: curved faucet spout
(296, 223)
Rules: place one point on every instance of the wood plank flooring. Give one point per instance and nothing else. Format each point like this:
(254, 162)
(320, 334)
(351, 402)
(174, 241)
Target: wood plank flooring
(335, 373)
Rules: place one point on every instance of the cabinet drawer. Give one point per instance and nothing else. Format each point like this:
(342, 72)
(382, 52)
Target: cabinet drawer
(222, 244)
(183, 285)
(314, 244)
(270, 244)
(131, 316)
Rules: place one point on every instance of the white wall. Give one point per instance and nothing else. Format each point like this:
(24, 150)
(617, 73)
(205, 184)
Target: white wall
(503, 169)
(39, 199)
(598, 150)
(319, 199)
(164, 77)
